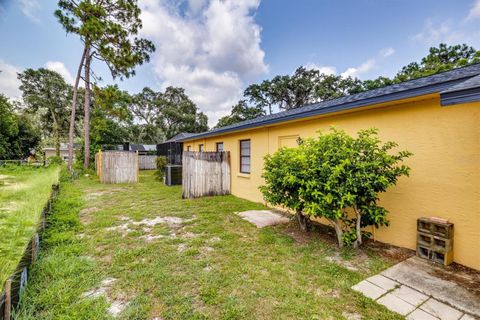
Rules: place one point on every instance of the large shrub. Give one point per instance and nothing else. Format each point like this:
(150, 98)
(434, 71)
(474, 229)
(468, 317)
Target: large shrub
(337, 177)
(161, 165)
(284, 176)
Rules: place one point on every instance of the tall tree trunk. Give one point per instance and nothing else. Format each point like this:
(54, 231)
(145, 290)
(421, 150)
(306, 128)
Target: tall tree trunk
(71, 129)
(86, 120)
(358, 228)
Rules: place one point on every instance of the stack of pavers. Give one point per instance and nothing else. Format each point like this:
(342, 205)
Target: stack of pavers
(435, 240)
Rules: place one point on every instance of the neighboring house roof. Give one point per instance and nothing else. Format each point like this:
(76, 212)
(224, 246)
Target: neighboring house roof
(143, 147)
(179, 137)
(465, 83)
(63, 147)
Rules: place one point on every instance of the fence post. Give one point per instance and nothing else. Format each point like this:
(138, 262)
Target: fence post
(8, 299)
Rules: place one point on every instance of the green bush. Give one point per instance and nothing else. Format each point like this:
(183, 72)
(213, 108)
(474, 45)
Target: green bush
(335, 176)
(284, 177)
(161, 165)
(55, 161)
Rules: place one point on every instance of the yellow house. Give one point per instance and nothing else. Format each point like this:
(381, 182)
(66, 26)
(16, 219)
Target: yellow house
(436, 117)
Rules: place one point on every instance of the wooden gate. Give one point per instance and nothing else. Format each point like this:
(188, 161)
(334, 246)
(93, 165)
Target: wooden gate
(147, 162)
(205, 174)
(117, 166)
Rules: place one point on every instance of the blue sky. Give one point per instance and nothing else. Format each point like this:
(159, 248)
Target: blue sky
(215, 48)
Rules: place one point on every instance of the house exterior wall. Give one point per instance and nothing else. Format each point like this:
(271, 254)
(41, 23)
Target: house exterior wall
(51, 153)
(445, 176)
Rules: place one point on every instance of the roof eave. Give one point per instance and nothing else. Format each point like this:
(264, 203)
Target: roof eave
(460, 96)
(412, 93)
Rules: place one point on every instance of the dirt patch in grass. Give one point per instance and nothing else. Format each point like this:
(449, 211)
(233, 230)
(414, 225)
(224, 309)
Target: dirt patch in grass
(392, 253)
(182, 247)
(292, 229)
(351, 316)
(105, 285)
(116, 306)
(88, 210)
(352, 265)
(127, 227)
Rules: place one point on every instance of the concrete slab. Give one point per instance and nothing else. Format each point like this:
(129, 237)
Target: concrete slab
(441, 310)
(263, 218)
(409, 295)
(467, 317)
(383, 282)
(396, 304)
(424, 277)
(420, 315)
(368, 289)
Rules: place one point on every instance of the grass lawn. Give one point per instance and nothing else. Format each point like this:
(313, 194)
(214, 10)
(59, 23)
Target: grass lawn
(141, 252)
(23, 194)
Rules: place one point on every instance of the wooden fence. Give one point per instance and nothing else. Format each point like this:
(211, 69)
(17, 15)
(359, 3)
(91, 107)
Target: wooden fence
(15, 284)
(147, 162)
(205, 174)
(117, 166)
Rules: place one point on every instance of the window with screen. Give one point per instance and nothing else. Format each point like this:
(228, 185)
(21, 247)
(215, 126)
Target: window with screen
(219, 146)
(201, 148)
(245, 156)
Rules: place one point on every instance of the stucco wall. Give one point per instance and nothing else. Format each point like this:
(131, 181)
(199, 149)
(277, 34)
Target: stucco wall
(445, 176)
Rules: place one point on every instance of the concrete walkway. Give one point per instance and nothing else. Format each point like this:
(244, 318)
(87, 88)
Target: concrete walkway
(263, 218)
(412, 289)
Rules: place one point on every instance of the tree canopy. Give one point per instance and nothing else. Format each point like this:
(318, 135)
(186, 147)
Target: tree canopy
(47, 95)
(240, 112)
(306, 86)
(441, 58)
(18, 135)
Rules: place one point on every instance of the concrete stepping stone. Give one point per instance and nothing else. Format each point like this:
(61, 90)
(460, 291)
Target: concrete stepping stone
(441, 310)
(383, 282)
(368, 289)
(396, 304)
(422, 276)
(409, 295)
(263, 218)
(420, 315)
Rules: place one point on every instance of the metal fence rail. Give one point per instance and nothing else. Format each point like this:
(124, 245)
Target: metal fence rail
(15, 284)
(205, 174)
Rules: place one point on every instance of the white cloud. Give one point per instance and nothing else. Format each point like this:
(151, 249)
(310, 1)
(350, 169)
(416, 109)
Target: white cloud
(211, 48)
(474, 12)
(387, 52)
(29, 9)
(434, 33)
(447, 31)
(323, 69)
(9, 82)
(358, 71)
(361, 69)
(60, 67)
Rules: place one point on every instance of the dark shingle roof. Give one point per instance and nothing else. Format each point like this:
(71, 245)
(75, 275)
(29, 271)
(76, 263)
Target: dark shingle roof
(180, 136)
(440, 82)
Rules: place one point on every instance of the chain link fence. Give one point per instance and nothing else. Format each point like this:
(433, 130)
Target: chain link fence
(15, 285)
